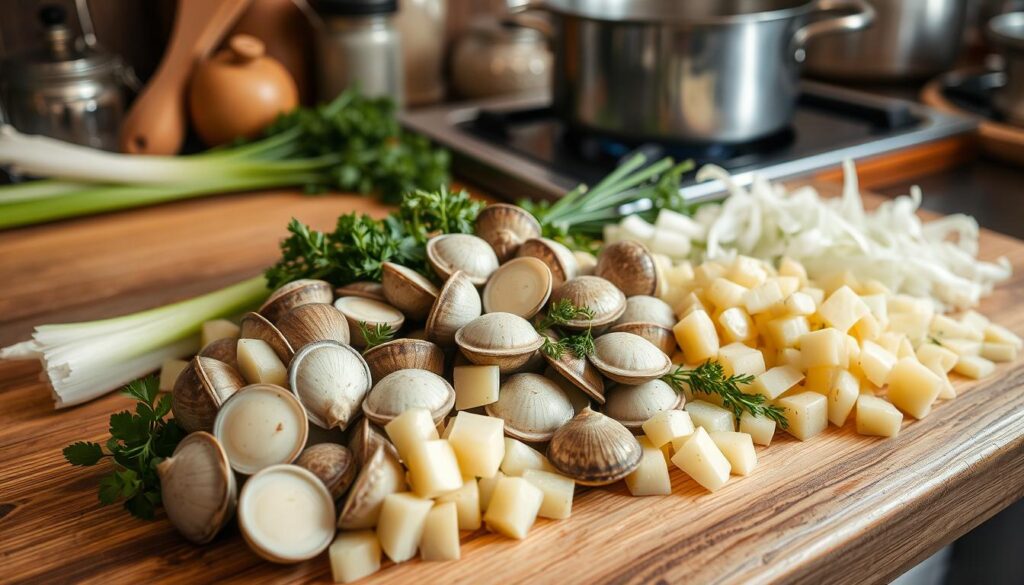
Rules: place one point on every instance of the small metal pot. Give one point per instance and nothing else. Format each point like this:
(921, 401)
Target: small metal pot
(1007, 34)
(694, 71)
(910, 40)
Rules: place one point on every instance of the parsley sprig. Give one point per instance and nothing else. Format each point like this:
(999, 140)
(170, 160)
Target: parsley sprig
(376, 334)
(559, 313)
(709, 378)
(137, 443)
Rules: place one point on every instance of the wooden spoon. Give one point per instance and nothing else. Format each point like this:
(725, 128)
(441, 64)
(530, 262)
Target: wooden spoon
(156, 122)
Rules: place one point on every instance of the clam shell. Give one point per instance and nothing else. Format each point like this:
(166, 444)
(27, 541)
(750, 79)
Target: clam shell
(594, 449)
(601, 296)
(225, 350)
(318, 534)
(333, 464)
(647, 309)
(293, 294)
(236, 445)
(628, 358)
(630, 266)
(399, 391)
(331, 380)
(198, 488)
(408, 290)
(505, 227)
(585, 262)
(448, 253)
(363, 310)
(521, 286)
(458, 303)
(200, 390)
(634, 405)
(499, 339)
(661, 337)
(532, 406)
(580, 372)
(577, 397)
(364, 289)
(380, 476)
(256, 326)
(365, 439)
(404, 354)
(559, 259)
(306, 324)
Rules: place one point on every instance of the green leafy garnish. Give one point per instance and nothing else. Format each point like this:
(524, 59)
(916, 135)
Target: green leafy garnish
(377, 334)
(137, 443)
(709, 378)
(559, 313)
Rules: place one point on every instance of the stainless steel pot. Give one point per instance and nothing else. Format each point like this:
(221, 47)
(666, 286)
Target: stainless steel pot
(910, 40)
(695, 71)
(1007, 35)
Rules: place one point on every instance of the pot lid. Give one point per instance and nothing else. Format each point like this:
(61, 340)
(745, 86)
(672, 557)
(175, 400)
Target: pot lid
(1007, 30)
(692, 12)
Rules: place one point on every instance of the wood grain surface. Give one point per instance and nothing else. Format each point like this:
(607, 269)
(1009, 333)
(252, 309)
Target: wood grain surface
(839, 509)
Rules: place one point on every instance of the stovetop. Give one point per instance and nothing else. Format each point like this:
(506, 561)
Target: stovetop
(517, 147)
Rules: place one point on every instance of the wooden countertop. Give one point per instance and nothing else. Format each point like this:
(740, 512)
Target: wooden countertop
(839, 509)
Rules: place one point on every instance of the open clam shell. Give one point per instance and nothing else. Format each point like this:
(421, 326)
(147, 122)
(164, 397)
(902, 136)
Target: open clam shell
(647, 309)
(458, 303)
(331, 380)
(577, 397)
(404, 354)
(363, 310)
(408, 290)
(200, 390)
(293, 294)
(314, 322)
(364, 288)
(560, 260)
(594, 449)
(505, 227)
(630, 266)
(628, 358)
(634, 405)
(225, 350)
(399, 391)
(532, 406)
(261, 425)
(256, 326)
(365, 439)
(661, 337)
(521, 286)
(380, 476)
(602, 297)
(499, 339)
(198, 488)
(580, 372)
(333, 464)
(448, 253)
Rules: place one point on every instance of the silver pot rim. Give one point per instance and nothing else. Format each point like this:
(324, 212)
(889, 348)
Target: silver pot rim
(1007, 30)
(674, 12)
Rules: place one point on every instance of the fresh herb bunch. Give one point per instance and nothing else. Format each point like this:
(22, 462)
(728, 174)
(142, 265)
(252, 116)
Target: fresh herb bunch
(559, 313)
(377, 334)
(137, 443)
(360, 244)
(709, 378)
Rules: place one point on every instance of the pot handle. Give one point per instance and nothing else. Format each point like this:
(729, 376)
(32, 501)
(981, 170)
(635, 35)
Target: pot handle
(861, 15)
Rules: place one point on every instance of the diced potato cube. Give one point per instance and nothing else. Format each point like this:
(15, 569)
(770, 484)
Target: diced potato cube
(519, 457)
(946, 390)
(820, 379)
(943, 326)
(942, 357)
(817, 294)
(697, 337)
(479, 443)
(973, 366)
(867, 328)
(789, 357)
(913, 387)
(890, 341)
(775, 381)
(738, 448)
(877, 417)
(409, 429)
(762, 298)
(908, 304)
(558, 492)
(788, 285)
(790, 267)
(1000, 334)
(975, 320)
(740, 360)
(402, 517)
(467, 503)
(651, 477)
(913, 325)
(702, 460)
(879, 308)
(852, 350)
(711, 417)
(725, 294)
(806, 414)
(999, 352)
(485, 486)
(842, 309)
(218, 329)
(842, 396)
(259, 364)
(787, 331)
(707, 272)
(513, 507)
(874, 287)
(800, 303)
(876, 363)
(747, 271)
(475, 386)
(440, 540)
(354, 555)
(169, 372)
(824, 348)
(760, 428)
(433, 468)
(666, 425)
(962, 347)
(689, 302)
(736, 325)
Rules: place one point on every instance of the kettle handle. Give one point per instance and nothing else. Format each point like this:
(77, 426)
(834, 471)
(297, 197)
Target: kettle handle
(861, 15)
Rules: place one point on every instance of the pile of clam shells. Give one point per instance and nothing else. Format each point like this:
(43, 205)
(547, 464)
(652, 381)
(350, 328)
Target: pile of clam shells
(480, 307)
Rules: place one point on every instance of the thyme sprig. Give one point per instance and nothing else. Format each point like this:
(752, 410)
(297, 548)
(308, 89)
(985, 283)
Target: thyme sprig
(376, 334)
(559, 314)
(709, 378)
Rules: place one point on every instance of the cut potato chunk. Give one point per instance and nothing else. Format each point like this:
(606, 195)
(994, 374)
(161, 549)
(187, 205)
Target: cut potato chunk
(479, 443)
(876, 362)
(760, 428)
(943, 326)
(354, 555)
(725, 294)
(440, 540)
(842, 309)
(800, 303)
(402, 517)
(789, 357)
(1000, 334)
(877, 305)
(467, 503)
(806, 414)
(519, 457)
(819, 379)
(218, 329)
(787, 331)
(747, 271)
(962, 347)
(651, 477)
(702, 460)
(666, 425)
(485, 487)
(513, 507)
(788, 285)
(738, 359)
(558, 492)
(790, 267)
(877, 417)
(999, 352)
(259, 364)
(412, 427)
(973, 366)
(697, 337)
(913, 387)
(825, 347)
(169, 372)
(475, 386)
(933, 353)
(775, 381)
(763, 298)
(736, 325)
(738, 448)
(867, 328)
(842, 397)
(433, 468)
(709, 416)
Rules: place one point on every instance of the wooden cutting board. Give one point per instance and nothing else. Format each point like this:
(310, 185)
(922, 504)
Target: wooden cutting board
(839, 509)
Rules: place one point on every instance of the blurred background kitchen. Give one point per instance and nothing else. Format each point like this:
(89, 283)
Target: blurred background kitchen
(931, 90)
